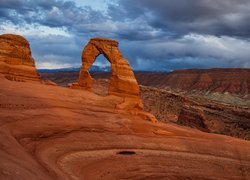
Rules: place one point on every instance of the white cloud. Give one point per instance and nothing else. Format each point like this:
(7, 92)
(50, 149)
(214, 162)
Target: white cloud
(32, 30)
(52, 65)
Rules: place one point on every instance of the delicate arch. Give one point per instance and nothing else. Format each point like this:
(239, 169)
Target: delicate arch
(122, 80)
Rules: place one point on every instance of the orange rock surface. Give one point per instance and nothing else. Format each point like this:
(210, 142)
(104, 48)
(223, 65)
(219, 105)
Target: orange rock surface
(222, 113)
(16, 62)
(122, 81)
(51, 132)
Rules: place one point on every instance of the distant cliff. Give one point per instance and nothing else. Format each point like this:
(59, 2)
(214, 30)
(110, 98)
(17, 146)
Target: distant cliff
(235, 81)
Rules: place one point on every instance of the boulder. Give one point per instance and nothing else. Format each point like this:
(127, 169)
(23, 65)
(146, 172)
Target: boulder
(16, 61)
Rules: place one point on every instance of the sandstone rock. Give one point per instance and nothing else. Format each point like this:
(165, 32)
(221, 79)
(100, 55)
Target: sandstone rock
(16, 62)
(65, 134)
(233, 81)
(122, 81)
(223, 113)
(193, 118)
(49, 82)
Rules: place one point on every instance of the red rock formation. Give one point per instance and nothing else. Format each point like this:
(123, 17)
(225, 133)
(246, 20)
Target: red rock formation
(235, 81)
(16, 62)
(122, 81)
(222, 113)
(192, 117)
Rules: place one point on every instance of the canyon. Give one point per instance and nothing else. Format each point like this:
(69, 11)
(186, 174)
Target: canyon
(224, 80)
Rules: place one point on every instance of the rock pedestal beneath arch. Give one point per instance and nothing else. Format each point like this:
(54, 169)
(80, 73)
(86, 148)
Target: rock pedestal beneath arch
(16, 62)
(122, 80)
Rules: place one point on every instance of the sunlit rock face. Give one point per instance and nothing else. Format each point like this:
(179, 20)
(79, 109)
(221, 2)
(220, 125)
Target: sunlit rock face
(16, 61)
(122, 81)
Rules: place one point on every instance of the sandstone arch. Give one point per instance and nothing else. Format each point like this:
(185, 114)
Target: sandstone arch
(122, 80)
(123, 83)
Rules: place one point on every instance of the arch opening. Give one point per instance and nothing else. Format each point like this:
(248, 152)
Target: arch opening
(100, 72)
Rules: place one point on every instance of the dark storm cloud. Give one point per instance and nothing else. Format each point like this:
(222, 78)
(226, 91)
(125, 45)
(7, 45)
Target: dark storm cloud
(153, 34)
(56, 50)
(52, 13)
(165, 17)
(55, 13)
(190, 33)
(216, 17)
(11, 4)
(189, 51)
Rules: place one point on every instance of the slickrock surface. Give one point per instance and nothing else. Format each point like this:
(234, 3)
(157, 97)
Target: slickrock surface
(51, 132)
(16, 62)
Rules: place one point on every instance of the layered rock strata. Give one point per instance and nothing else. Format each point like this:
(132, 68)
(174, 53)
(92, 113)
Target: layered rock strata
(122, 80)
(233, 81)
(16, 61)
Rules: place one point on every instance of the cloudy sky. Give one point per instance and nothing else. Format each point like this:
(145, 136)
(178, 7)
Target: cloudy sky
(153, 34)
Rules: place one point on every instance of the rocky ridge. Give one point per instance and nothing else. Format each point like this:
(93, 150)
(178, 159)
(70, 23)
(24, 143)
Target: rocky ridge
(233, 81)
(229, 117)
